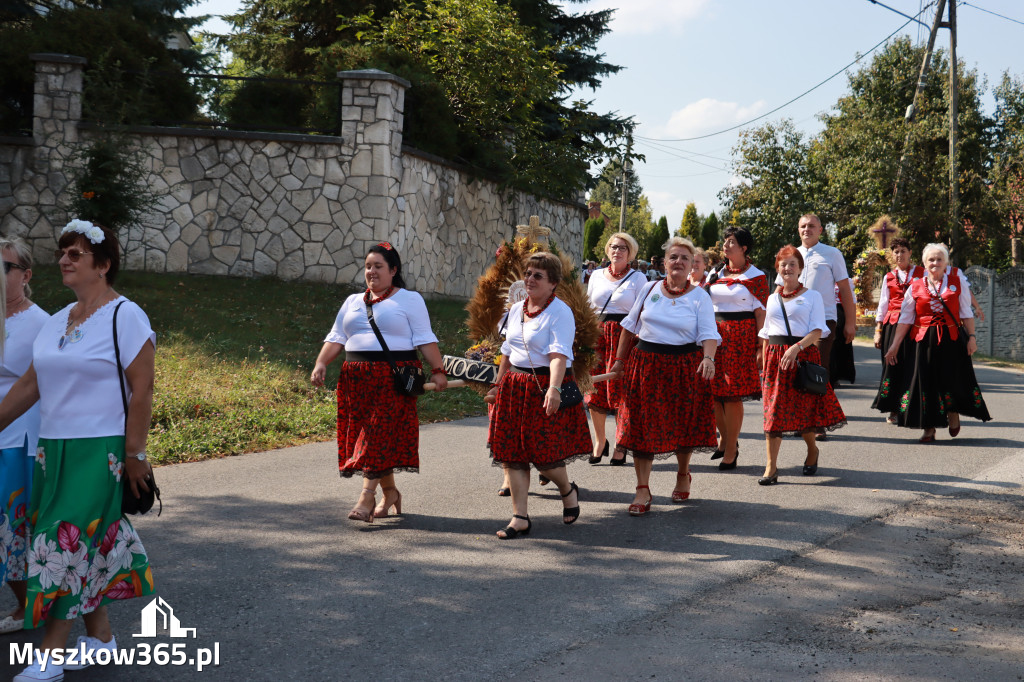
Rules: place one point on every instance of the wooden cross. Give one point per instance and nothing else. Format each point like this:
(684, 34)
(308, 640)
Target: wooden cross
(534, 232)
(882, 232)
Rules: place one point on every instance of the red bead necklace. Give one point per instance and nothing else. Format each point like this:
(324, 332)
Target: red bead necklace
(675, 292)
(368, 297)
(737, 270)
(617, 275)
(792, 294)
(526, 304)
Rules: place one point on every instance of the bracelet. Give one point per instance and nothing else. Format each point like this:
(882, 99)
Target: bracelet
(618, 359)
(708, 357)
(970, 336)
(438, 370)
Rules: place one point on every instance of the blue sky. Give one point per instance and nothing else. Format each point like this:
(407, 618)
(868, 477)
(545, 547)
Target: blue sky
(694, 67)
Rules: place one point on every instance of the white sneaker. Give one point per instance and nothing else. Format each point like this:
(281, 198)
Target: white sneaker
(9, 624)
(34, 673)
(91, 645)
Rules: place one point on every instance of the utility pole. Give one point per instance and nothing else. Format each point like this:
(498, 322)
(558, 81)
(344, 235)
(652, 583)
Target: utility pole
(625, 181)
(912, 109)
(954, 175)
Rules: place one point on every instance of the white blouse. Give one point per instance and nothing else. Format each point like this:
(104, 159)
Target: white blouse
(22, 330)
(623, 292)
(908, 310)
(401, 317)
(736, 298)
(675, 321)
(805, 312)
(551, 331)
(79, 396)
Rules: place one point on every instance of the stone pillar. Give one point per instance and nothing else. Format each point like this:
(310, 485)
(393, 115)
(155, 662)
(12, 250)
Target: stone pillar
(372, 114)
(57, 110)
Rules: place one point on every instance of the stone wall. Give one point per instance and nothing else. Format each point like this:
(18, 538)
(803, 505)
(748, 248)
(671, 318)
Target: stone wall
(290, 206)
(1001, 297)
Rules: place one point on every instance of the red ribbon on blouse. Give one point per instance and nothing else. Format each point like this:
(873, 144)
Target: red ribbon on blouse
(758, 286)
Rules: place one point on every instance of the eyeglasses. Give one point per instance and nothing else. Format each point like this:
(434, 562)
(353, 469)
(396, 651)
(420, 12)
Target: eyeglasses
(73, 254)
(8, 265)
(617, 247)
(534, 274)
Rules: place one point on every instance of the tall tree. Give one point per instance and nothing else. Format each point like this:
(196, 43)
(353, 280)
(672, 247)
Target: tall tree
(689, 227)
(1007, 177)
(710, 231)
(608, 189)
(659, 235)
(774, 187)
(592, 230)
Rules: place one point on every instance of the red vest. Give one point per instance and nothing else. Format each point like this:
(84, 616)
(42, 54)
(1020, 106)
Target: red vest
(896, 291)
(931, 312)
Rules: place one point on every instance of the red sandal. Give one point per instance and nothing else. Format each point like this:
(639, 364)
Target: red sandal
(680, 495)
(641, 509)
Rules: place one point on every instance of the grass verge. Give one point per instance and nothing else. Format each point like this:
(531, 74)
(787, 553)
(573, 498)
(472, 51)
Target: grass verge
(234, 356)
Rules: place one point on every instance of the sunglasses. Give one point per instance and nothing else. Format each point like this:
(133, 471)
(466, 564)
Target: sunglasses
(8, 265)
(73, 254)
(534, 274)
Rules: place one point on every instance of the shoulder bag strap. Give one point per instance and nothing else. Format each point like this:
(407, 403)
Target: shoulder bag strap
(621, 282)
(380, 338)
(120, 370)
(782, 302)
(957, 321)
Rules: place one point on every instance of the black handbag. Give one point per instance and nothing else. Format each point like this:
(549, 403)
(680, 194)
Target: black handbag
(569, 392)
(408, 380)
(810, 377)
(129, 503)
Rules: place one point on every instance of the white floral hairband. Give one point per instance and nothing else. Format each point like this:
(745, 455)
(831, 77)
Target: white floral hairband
(93, 233)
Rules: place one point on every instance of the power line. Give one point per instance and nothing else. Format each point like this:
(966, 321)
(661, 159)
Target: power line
(992, 13)
(650, 141)
(800, 96)
(668, 150)
(907, 16)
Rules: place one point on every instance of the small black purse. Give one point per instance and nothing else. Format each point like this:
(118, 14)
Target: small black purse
(408, 380)
(129, 503)
(810, 377)
(571, 395)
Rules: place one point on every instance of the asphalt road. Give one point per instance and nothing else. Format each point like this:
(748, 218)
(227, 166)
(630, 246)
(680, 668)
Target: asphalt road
(742, 582)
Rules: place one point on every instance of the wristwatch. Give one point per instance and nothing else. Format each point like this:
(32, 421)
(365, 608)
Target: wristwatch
(141, 456)
(558, 388)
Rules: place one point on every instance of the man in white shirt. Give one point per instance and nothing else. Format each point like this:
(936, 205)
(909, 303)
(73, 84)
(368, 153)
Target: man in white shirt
(824, 268)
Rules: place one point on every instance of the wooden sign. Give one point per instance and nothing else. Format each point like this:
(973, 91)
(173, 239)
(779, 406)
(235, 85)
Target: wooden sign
(470, 370)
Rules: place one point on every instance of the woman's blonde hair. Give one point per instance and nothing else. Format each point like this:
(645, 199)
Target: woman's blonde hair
(23, 253)
(679, 241)
(548, 262)
(941, 248)
(630, 243)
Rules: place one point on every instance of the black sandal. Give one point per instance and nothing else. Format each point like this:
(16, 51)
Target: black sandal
(511, 533)
(542, 479)
(504, 492)
(571, 513)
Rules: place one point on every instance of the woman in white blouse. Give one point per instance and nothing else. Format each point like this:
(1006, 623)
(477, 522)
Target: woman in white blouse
(17, 441)
(667, 409)
(528, 424)
(84, 552)
(936, 314)
(612, 292)
(787, 410)
(378, 427)
(738, 291)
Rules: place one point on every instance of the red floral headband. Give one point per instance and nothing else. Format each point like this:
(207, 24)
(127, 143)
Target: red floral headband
(386, 245)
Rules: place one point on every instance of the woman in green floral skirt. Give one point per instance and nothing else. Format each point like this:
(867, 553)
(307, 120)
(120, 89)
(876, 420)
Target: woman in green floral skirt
(84, 552)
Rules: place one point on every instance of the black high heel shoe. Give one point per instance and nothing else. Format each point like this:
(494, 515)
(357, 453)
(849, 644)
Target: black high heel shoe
(511, 533)
(571, 513)
(718, 454)
(618, 462)
(729, 466)
(811, 469)
(597, 460)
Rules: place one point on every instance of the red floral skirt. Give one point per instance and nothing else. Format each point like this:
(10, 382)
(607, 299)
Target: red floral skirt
(378, 428)
(736, 375)
(665, 406)
(521, 434)
(788, 411)
(607, 394)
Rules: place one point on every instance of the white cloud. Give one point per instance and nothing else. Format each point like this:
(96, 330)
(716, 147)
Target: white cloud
(708, 115)
(649, 16)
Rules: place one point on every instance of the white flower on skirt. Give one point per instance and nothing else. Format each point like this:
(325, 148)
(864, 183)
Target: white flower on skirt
(44, 561)
(115, 467)
(95, 581)
(73, 568)
(73, 612)
(126, 546)
(41, 458)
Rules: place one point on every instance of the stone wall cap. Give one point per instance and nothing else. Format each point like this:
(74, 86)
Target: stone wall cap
(373, 75)
(219, 133)
(57, 58)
